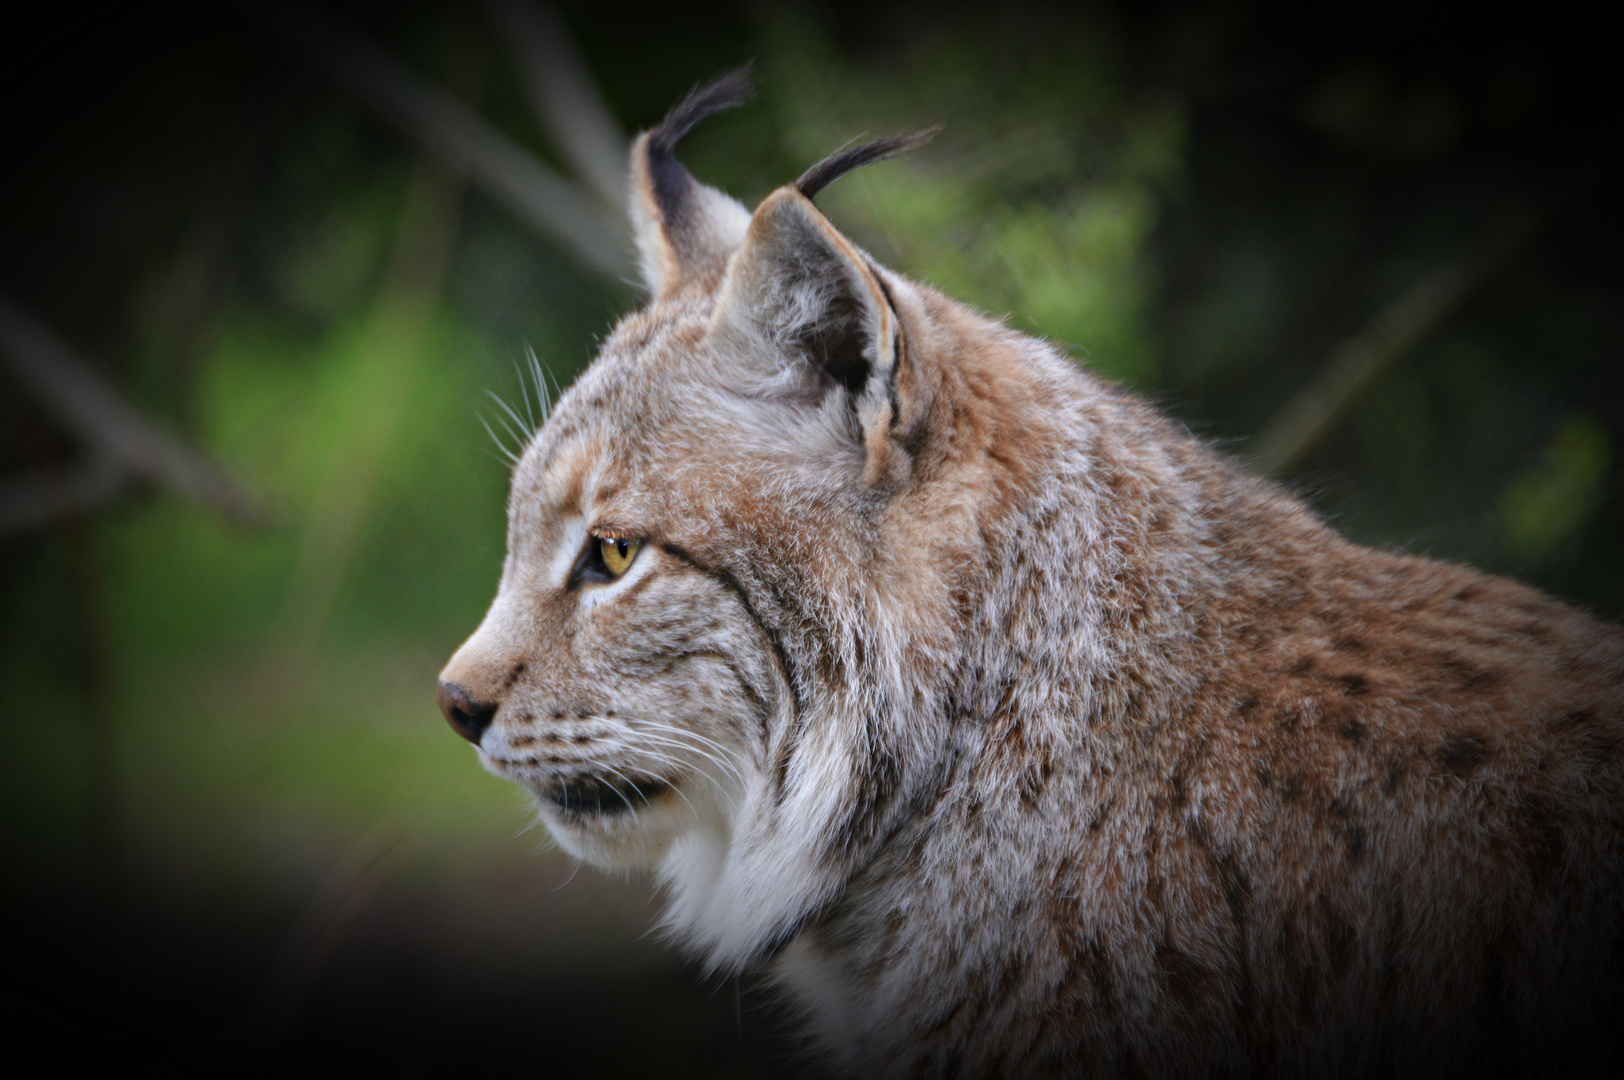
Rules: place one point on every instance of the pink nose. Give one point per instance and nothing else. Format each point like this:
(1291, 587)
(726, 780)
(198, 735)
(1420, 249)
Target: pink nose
(466, 716)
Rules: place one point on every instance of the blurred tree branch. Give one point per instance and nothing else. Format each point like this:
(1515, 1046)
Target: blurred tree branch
(126, 448)
(552, 205)
(1354, 365)
(565, 99)
(183, 317)
(397, 340)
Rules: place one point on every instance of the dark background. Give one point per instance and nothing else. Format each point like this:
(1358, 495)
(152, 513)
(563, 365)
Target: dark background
(237, 833)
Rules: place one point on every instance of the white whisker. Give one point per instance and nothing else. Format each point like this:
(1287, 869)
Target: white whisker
(660, 758)
(517, 438)
(575, 868)
(665, 741)
(721, 756)
(507, 454)
(667, 760)
(546, 398)
(524, 395)
(632, 783)
(661, 725)
(517, 420)
(544, 401)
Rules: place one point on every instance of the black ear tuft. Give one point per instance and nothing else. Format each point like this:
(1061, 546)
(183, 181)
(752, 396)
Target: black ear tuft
(841, 162)
(726, 91)
(670, 179)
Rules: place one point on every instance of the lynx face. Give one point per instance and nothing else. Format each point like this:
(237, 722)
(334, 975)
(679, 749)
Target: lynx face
(629, 685)
(700, 508)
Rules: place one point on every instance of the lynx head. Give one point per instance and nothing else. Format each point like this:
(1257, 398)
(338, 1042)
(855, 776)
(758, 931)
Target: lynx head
(740, 555)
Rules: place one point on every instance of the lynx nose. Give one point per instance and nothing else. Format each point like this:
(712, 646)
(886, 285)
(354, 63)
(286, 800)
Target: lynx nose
(467, 717)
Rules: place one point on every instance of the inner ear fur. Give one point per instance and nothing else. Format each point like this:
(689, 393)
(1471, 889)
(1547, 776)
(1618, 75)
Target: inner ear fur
(797, 283)
(803, 297)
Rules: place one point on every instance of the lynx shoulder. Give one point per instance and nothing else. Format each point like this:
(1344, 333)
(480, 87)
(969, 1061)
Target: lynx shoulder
(1009, 728)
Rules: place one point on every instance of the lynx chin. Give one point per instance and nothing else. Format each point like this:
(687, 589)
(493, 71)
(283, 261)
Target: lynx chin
(1010, 729)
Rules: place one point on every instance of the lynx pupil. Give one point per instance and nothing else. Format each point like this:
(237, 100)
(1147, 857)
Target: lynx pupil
(617, 554)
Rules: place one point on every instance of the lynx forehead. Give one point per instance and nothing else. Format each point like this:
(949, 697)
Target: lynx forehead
(1007, 727)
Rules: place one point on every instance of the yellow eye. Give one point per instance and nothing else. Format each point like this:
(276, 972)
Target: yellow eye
(618, 554)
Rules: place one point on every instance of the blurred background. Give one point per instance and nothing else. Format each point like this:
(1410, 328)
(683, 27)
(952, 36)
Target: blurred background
(268, 273)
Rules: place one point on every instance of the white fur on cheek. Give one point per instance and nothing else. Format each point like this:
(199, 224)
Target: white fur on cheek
(572, 537)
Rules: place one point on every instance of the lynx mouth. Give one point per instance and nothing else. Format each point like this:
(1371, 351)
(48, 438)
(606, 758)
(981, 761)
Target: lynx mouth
(595, 795)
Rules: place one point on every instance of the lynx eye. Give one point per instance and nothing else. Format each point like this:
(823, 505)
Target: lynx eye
(617, 554)
(604, 559)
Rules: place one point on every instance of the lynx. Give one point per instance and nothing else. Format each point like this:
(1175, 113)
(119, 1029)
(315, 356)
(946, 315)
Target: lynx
(1008, 728)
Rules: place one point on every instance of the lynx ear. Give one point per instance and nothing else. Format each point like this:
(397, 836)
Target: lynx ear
(685, 230)
(802, 295)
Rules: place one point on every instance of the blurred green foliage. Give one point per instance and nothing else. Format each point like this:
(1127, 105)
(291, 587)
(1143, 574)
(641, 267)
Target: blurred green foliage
(1200, 204)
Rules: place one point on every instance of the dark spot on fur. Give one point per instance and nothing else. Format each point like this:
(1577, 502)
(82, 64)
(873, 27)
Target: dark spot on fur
(1356, 842)
(1466, 676)
(1246, 704)
(1198, 833)
(1237, 890)
(1096, 820)
(878, 779)
(1180, 973)
(1035, 780)
(1181, 794)
(1338, 935)
(1302, 667)
(1543, 840)
(513, 676)
(1355, 684)
(1265, 778)
(1352, 730)
(1463, 753)
(1397, 766)
(997, 993)
(1468, 593)
(1578, 718)
(558, 714)
(1348, 643)
(1291, 788)
(1097, 962)
(579, 739)
(1534, 631)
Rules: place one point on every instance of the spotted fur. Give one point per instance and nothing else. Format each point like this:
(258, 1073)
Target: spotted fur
(1012, 730)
